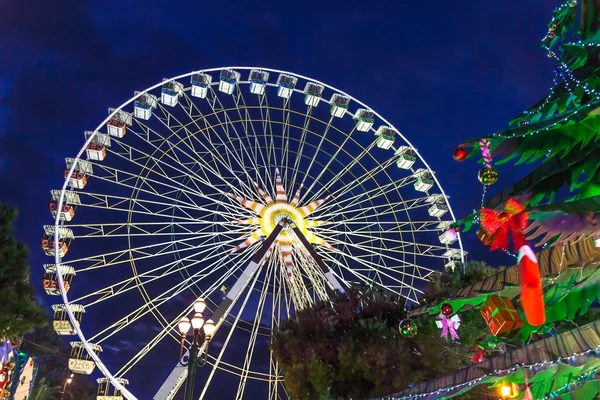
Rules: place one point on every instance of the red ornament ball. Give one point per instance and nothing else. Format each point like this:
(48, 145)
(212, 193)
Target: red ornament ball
(460, 154)
(446, 309)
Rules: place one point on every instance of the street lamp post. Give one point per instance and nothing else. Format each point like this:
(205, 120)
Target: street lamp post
(200, 331)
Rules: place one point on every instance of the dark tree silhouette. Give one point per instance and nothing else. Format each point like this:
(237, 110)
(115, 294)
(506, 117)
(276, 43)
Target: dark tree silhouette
(19, 312)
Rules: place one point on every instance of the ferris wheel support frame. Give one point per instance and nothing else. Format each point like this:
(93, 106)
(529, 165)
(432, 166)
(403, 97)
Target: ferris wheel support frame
(180, 373)
(175, 380)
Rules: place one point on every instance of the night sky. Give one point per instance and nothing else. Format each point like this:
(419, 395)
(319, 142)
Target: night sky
(440, 71)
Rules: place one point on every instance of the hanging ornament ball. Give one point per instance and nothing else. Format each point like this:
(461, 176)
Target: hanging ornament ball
(457, 228)
(460, 154)
(573, 3)
(446, 309)
(550, 54)
(551, 34)
(553, 27)
(488, 176)
(408, 328)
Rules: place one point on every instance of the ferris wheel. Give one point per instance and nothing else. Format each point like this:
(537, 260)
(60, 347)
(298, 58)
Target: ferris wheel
(260, 191)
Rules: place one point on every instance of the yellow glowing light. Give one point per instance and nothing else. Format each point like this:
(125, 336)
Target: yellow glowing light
(271, 212)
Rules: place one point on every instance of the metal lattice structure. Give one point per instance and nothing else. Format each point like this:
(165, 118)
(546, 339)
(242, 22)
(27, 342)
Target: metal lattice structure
(171, 196)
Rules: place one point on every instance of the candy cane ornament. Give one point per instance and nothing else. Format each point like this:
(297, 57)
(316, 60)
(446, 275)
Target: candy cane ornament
(484, 144)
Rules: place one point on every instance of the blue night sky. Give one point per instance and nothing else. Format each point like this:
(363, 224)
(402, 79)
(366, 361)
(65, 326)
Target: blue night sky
(440, 71)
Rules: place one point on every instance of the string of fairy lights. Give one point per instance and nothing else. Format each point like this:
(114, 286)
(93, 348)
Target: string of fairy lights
(562, 69)
(507, 371)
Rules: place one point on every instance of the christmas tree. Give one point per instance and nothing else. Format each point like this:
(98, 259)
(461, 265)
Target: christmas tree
(527, 331)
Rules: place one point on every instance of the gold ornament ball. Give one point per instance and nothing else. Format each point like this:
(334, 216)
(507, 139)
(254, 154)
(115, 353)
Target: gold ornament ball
(573, 3)
(408, 328)
(553, 27)
(488, 176)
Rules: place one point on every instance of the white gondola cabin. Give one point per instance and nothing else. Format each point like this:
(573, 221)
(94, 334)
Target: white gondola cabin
(453, 258)
(143, 105)
(64, 237)
(50, 280)
(338, 105)
(385, 137)
(96, 152)
(406, 157)
(423, 182)
(313, 93)
(170, 92)
(450, 265)
(118, 123)
(286, 85)
(78, 179)
(258, 81)
(449, 236)
(80, 362)
(61, 322)
(228, 80)
(96, 149)
(67, 211)
(200, 83)
(437, 210)
(70, 202)
(364, 119)
(106, 391)
(82, 169)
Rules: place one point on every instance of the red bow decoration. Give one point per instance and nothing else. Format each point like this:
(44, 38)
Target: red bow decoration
(513, 219)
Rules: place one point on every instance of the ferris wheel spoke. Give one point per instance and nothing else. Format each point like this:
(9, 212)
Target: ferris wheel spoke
(164, 297)
(194, 160)
(345, 202)
(401, 249)
(248, 127)
(369, 281)
(171, 327)
(302, 142)
(115, 176)
(178, 169)
(312, 162)
(313, 273)
(285, 139)
(373, 252)
(133, 229)
(157, 165)
(377, 210)
(146, 277)
(353, 185)
(225, 127)
(374, 237)
(269, 146)
(366, 200)
(330, 161)
(136, 206)
(116, 257)
(254, 332)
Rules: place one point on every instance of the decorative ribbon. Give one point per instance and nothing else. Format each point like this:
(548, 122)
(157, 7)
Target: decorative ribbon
(484, 144)
(513, 219)
(448, 325)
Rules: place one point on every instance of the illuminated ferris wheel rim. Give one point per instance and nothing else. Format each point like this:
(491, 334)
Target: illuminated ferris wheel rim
(73, 167)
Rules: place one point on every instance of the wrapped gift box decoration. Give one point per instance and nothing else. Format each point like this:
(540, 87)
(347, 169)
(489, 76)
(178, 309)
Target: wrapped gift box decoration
(501, 316)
